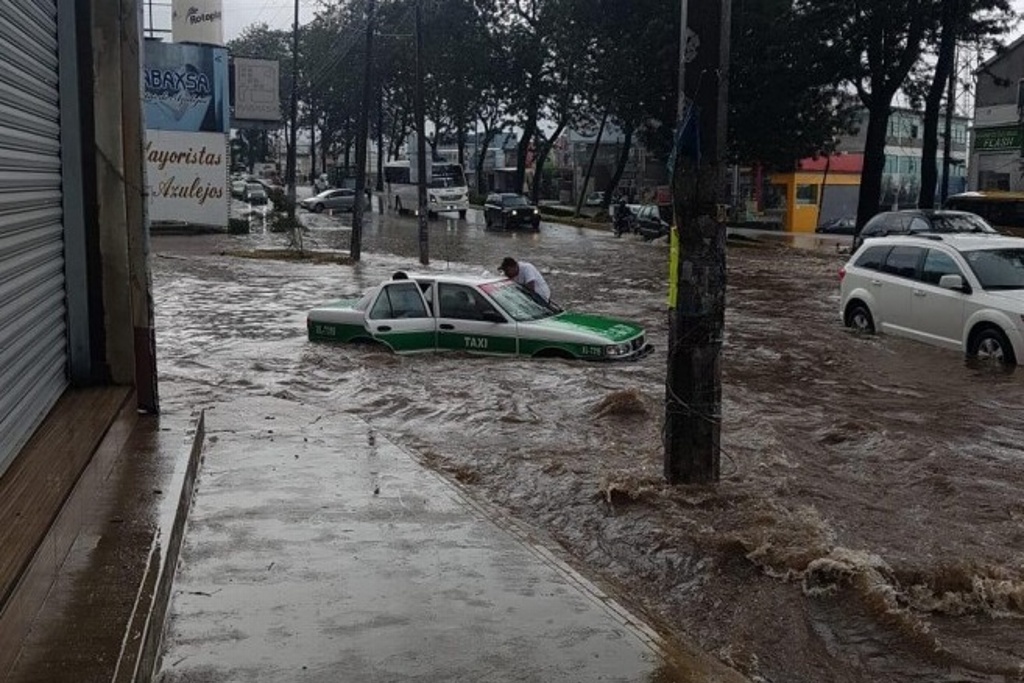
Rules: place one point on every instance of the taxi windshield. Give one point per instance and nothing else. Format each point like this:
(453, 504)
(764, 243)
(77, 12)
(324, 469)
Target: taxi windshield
(517, 301)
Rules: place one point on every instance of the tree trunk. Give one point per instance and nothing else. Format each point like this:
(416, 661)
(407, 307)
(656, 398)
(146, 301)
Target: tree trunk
(312, 146)
(590, 165)
(460, 141)
(620, 167)
(489, 135)
(870, 197)
(542, 150)
(529, 128)
(932, 105)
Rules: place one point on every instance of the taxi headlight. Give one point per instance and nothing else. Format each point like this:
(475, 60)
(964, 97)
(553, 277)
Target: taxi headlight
(617, 349)
(433, 198)
(514, 212)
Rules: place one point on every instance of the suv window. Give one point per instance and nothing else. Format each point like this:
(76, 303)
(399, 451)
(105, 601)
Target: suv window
(902, 261)
(937, 264)
(872, 258)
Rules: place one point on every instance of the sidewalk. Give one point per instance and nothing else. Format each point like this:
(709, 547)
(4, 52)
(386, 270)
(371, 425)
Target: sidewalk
(319, 551)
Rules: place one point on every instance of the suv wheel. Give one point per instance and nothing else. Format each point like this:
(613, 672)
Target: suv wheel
(991, 344)
(858, 316)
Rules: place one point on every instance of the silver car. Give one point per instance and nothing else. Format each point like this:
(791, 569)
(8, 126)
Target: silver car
(332, 200)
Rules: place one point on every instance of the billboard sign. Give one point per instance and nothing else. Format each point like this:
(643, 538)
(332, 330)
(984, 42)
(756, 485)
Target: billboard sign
(197, 21)
(186, 88)
(187, 176)
(257, 84)
(999, 139)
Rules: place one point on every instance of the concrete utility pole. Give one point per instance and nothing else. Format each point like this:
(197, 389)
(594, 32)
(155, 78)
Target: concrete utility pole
(362, 133)
(697, 311)
(421, 143)
(947, 145)
(290, 171)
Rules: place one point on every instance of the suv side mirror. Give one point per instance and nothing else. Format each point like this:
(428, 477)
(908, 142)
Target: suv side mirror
(955, 283)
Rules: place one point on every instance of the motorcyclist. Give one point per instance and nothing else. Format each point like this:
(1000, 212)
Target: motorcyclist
(621, 221)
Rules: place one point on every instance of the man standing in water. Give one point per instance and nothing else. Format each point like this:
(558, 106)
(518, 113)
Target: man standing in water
(527, 275)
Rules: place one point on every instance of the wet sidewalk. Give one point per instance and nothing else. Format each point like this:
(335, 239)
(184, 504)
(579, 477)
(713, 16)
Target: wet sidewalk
(317, 550)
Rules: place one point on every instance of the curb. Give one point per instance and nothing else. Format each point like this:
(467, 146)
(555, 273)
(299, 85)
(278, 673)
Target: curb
(143, 640)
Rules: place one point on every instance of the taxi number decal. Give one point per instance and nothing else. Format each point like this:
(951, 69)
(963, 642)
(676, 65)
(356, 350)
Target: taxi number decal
(476, 342)
(324, 330)
(591, 351)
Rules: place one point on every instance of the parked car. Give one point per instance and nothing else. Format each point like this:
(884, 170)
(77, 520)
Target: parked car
(255, 194)
(956, 291)
(838, 226)
(508, 211)
(649, 223)
(594, 199)
(238, 188)
(912, 221)
(334, 200)
(472, 314)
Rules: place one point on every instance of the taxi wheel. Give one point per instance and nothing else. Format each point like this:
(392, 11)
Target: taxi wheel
(462, 214)
(318, 208)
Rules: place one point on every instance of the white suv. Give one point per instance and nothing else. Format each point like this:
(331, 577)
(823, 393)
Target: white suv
(958, 291)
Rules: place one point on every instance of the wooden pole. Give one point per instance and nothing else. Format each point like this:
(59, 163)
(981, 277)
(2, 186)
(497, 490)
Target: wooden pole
(421, 143)
(697, 314)
(290, 171)
(362, 134)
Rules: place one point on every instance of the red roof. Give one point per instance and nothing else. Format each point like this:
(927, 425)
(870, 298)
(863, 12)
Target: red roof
(841, 163)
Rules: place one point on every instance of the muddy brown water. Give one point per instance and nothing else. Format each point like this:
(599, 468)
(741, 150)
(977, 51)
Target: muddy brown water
(869, 525)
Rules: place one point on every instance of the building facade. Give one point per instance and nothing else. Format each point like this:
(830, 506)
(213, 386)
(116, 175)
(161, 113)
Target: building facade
(76, 320)
(996, 142)
(904, 143)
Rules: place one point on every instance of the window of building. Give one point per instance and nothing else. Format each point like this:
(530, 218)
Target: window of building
(807, 194)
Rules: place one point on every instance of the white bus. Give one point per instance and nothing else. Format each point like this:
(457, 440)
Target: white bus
(446, 189)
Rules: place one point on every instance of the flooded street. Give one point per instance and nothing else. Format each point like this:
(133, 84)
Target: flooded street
(869, 525)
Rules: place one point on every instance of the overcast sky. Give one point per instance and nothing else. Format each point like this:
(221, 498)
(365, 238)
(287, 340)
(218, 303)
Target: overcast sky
(278, 14)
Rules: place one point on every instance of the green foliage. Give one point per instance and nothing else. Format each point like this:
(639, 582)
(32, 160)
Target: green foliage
(785, 100)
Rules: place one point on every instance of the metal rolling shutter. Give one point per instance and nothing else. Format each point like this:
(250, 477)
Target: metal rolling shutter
(33, 337)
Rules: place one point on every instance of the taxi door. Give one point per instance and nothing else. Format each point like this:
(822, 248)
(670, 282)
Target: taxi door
(467, 321)
(400, 318)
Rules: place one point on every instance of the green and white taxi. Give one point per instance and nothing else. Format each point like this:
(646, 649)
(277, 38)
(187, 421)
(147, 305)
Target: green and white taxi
(473, 314)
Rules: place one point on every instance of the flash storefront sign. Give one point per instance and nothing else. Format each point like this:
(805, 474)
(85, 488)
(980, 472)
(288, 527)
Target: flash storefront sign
(187, 175)
(257, 82)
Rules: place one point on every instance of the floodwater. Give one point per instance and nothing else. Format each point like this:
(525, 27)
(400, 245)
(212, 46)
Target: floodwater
(869, 525)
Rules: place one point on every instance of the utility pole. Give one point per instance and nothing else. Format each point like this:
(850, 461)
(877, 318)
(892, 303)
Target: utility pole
(290, 171)
(693, 400)
(421, 143)
(947, 145)
(362, 133)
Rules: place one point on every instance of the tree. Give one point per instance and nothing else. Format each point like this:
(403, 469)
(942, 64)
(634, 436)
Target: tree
(959, 20)
(785, 103)
(877, 43)
(633, 54)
